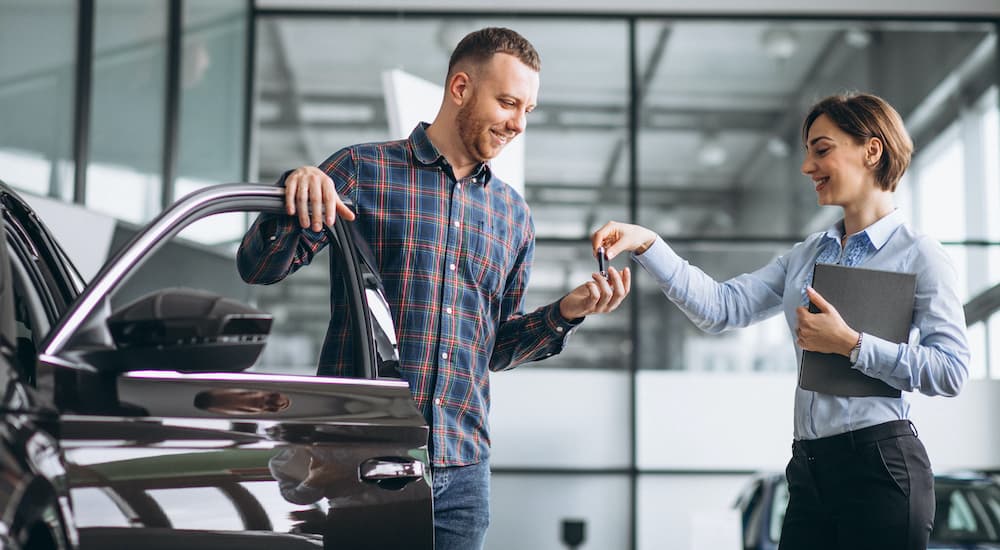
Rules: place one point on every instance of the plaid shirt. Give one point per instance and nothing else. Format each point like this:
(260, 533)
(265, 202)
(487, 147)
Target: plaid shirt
(454, 257)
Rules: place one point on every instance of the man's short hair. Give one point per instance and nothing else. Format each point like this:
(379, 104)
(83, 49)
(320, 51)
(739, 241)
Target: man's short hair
(479, 47)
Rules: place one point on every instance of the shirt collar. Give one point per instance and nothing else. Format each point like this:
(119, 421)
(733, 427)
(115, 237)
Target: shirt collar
(878, 233)
(427, 154)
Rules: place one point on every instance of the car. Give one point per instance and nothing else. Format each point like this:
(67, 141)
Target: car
(129, 419)
(967, 515)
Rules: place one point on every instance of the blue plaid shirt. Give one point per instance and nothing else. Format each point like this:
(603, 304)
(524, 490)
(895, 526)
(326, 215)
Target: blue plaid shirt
(454, 256)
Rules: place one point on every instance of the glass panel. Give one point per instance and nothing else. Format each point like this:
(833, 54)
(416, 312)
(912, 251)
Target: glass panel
(941, 185)
(213, 77)
(719, 153)
(37, 80)
(297, 332)
(991, 183)
(576, 153)
(602, 341)
(126, 135)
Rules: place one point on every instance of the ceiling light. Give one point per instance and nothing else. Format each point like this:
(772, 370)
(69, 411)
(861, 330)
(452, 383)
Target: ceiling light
(777, 147)
(337, 112)
(857, 38)
(779, 43)
(711, 153)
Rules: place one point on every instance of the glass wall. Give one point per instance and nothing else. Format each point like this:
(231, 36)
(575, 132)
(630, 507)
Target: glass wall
(687, 125)
(317, 95)
(724, 143)
(711, 160)
(37, 63)
(213, 79)
(127, 109)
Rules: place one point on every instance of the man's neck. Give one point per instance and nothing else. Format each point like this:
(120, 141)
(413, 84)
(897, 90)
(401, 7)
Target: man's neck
(447, 142)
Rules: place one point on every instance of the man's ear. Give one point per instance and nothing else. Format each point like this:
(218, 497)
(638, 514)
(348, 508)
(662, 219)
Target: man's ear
(459, 87)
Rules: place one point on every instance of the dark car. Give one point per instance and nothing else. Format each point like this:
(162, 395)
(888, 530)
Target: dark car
(967, 516)
(128, 420)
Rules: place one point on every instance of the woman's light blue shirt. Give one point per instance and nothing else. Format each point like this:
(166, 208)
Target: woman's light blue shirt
(933, 362)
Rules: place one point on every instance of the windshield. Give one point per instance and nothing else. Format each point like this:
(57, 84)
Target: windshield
(967, 512)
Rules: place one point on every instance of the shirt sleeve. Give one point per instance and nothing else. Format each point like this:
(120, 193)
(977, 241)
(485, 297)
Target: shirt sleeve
(537, 335)
(936, 364)
(276, 246)
(713, 306)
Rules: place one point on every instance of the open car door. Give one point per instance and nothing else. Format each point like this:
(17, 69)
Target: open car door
(170, 444)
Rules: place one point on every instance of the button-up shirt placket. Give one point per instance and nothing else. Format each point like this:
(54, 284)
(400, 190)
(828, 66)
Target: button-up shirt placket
(447, 336)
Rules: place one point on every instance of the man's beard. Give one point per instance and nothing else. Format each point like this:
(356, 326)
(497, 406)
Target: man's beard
(472, 131)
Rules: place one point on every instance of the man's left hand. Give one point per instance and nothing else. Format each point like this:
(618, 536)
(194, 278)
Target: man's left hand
(598, 296)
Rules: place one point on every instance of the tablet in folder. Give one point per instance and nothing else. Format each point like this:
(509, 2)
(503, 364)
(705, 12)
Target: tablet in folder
(875, 302)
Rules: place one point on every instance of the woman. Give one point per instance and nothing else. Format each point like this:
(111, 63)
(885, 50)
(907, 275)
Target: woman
(859, 477)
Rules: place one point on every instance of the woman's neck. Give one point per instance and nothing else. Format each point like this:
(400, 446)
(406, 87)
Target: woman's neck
(873, 209)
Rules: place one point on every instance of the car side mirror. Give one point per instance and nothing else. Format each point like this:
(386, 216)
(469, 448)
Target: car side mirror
(185, 330)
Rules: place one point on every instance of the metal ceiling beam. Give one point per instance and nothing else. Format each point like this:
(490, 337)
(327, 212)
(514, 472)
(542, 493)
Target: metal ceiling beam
(540, 193)
(549, 115)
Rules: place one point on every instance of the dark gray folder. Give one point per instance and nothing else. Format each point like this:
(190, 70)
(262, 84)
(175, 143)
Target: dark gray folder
(875, 302)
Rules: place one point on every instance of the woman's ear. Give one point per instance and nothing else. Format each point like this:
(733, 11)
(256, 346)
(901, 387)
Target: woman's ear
(873, 151)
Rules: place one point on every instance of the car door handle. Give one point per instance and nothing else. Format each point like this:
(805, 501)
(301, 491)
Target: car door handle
(380, 470)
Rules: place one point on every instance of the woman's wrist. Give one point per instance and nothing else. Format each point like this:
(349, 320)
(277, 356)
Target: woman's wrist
(645, 246)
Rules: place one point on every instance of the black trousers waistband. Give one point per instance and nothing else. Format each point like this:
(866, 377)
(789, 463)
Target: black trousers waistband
(849, 441)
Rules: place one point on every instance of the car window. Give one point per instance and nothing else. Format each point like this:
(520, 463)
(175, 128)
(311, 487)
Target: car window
(751, 515)
(31, 317)
(778, 505)
(967, 513)
(44, 284)
(53, 275)
(299, 304)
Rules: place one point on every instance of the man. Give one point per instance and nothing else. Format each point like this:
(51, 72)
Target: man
(454, 246)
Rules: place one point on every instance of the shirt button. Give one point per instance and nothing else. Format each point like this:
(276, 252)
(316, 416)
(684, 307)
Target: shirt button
(458, 224)
(559, 329)
(448, 310)
(437, 401)
(444, 356)
(458, 186)
(272, 238)
(451, 267)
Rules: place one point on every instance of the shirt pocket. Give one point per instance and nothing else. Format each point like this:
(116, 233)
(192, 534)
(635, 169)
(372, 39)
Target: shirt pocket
(485, 254)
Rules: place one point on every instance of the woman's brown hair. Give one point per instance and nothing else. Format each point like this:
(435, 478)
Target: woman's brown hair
(866, 116)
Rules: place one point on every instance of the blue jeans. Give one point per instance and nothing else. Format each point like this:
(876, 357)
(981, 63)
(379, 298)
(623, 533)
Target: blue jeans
(461, 506)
